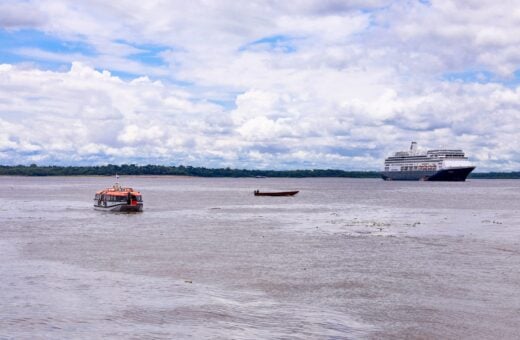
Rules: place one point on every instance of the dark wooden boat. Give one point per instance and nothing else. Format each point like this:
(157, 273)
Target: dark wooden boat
(277, 193)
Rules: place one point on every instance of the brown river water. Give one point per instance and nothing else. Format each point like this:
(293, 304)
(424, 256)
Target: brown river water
(343, 259)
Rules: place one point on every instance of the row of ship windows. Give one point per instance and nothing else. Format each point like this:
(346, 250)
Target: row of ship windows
(451, 156)
(401, 161)
(416, 168)
(117, 198)
(429, 158)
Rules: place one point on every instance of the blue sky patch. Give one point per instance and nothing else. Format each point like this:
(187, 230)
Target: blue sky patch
(229, 104)
(472, 76)
(482, 77)
(12, 41)
(149, 53)
(275, 43)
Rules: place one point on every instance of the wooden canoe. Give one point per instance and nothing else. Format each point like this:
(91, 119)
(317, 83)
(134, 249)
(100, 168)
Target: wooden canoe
(276, 193)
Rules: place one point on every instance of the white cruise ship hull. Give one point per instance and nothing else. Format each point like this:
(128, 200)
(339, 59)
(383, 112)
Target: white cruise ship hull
(450, 174)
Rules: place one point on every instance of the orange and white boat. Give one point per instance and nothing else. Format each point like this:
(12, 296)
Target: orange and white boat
(118, 198)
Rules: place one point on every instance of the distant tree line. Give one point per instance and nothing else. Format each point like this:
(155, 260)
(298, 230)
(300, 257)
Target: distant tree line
(133, 169)
(496, 175)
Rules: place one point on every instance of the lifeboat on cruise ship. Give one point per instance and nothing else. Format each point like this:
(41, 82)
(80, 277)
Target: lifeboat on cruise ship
(118, 199)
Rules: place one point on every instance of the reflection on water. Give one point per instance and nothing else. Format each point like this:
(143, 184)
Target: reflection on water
(345, 258)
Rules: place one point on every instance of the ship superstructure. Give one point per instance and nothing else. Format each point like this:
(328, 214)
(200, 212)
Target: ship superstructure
(434, 165)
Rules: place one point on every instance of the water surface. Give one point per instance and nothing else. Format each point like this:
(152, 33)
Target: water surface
(345, 258)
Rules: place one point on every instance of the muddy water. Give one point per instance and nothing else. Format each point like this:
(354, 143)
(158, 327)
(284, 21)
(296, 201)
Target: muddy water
(344, 258)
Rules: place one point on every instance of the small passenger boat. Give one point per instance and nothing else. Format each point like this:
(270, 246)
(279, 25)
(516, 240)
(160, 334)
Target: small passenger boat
(276, 193)
(119, 199)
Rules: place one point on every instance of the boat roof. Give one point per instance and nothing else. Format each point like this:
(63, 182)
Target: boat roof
(118, 191)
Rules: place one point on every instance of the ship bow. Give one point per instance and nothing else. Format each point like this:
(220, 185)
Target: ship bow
(452, 174)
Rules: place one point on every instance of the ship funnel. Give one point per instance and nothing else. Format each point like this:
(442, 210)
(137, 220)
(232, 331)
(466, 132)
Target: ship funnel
(413, 148)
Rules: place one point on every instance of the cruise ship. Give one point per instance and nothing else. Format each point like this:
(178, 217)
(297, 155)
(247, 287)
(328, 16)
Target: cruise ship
(434, 165)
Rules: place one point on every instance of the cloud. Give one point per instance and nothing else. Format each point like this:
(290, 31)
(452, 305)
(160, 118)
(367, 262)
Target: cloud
(337, 84)
(16, 15)
(481, 35)
(84, 115)
(90, 111)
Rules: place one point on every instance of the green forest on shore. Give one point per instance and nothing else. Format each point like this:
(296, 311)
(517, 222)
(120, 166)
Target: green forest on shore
(133, 169)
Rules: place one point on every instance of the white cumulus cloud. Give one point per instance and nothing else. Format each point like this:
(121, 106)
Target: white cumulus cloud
(297, 84)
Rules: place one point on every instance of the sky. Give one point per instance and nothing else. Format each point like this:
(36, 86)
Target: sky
(258, 84)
